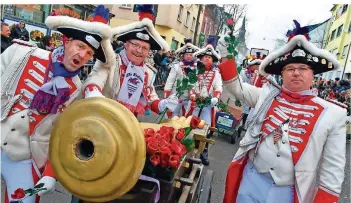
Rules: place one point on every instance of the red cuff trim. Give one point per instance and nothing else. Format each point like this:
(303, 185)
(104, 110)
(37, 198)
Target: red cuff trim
(48, 171)
(324, 195)
(217, 94)
(154, 106)
(228, 70)
(166, 94)
(90, 88)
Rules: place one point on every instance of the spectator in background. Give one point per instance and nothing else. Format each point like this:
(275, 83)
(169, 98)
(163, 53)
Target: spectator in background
(49, 43)
(117, 46)
(164, 66)
(20, 32)
(158, 59)
(149, 59)
(39, 41)
(5, 36)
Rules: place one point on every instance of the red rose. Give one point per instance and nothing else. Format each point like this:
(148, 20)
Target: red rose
(174, 161)
(175, 146)
(151, 139)
(194, 122)
(18, 194)
(163, 143)
(230, 21)
(164, 161)
(152, 148)
(180, 135)
(155, 160)
(165, 151)
(183, 150)
(149, 132)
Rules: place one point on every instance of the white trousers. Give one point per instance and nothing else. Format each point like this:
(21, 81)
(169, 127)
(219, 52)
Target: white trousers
(17, 174)
(177, 111)
(205, 114)
(258, 188)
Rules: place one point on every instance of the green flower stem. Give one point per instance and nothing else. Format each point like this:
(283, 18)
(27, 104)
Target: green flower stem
(161, 116)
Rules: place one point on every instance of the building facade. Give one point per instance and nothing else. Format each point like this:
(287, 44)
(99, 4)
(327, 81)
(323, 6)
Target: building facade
(35, 15)
(174, 22)
(339, 40)
(210, 22)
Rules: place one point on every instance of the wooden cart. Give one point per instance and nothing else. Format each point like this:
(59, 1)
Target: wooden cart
(191, 184)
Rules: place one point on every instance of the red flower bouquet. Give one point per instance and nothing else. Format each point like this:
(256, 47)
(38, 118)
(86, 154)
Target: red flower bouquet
(164, 151)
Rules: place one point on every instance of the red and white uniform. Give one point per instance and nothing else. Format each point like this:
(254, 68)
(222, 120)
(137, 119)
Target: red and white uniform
(108, 81)
(25, 133)
(177, 72)
(314, 136)
(209, 84)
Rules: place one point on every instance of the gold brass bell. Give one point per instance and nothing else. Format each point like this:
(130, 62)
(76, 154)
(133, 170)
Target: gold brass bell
(97, 149)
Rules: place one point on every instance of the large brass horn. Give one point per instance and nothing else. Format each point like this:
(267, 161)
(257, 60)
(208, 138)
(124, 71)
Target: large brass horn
(97, 149)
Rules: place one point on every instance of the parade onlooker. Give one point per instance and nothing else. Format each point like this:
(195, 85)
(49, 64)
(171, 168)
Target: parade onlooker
(49, 43)
(20, 32)
(5, 36)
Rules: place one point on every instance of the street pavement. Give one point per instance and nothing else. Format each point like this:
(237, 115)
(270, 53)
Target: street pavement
(220, 156)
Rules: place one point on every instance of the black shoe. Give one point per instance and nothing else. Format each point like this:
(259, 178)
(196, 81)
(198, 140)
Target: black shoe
(204, 158)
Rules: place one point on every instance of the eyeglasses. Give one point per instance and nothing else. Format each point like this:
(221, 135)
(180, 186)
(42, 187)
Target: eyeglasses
(138, 46)
(291, 70)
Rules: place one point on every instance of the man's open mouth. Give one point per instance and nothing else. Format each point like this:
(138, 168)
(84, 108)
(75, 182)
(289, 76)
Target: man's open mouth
(76, 61)
(136, 55)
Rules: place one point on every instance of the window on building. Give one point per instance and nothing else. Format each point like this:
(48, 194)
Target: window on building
(126, 6)
(335, 52)
(187, 19)
(180, 12)
(339, 30)
(193, 24)
(332, 36)
(344, 51)
(174, 44)
(205, 26)
(209, 29)
(338, 13)
(344, 8)
(29, 12)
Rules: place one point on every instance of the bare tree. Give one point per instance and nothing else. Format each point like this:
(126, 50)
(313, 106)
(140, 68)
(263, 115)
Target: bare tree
(234, 11)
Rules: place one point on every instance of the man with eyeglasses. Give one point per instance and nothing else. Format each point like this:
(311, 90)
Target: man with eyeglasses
(292, 133)
(36, 87)
(130, 80)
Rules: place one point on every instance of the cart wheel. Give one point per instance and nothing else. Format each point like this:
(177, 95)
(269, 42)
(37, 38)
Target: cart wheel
(205, 196)
(233, 137)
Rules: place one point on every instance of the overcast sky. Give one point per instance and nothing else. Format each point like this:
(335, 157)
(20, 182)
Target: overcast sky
(267, 22)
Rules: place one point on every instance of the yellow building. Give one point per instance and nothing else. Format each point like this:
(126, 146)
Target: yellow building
(174, 22)
(339, 37)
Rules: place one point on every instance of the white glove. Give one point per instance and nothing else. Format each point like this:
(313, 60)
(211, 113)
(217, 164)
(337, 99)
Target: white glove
(162, 105)
(49, 184)
(94, 93)
(173, 101)
(222, 46)
(214, 101)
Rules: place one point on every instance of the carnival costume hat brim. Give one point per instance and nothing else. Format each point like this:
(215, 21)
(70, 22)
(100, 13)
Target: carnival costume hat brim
(143, 30)
(299, 50)
(187, 48)
(208, 51)
(95, 34)
(256, 56)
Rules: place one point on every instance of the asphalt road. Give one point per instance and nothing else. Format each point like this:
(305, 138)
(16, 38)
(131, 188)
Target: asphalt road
(220, 156)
